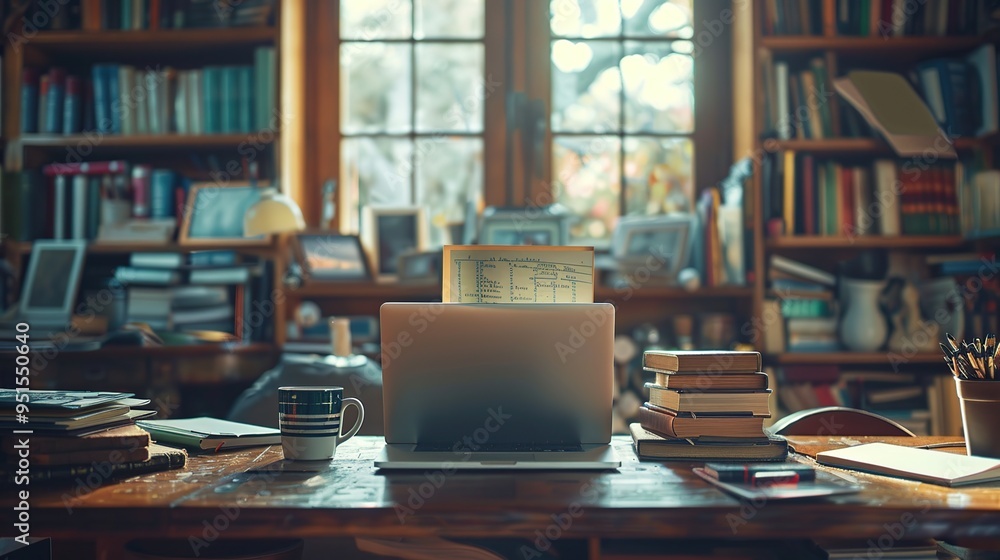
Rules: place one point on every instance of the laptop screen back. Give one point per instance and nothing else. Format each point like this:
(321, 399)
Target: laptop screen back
(497, 374)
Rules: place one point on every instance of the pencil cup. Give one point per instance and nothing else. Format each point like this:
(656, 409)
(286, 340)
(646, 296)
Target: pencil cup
(980, 403)
(310, 421)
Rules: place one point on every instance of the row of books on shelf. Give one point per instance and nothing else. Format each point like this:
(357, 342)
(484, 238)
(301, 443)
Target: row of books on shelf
(805, 195)
(122, 99)
(199, 291)
(961, 93)
(925, 404)
(875, 18)
(134, 15)
(88, 200)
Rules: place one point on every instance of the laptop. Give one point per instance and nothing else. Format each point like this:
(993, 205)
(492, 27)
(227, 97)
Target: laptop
(497, 386)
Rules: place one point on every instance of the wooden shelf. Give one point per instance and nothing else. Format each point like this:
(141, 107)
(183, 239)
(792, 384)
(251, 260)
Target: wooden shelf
(867, 242)
(607, 293)
(910, 47)
(141, 142)
(186, 351)
(604, 293)
(145, 43)
(860, 146)
(854, 358)
(24, 247)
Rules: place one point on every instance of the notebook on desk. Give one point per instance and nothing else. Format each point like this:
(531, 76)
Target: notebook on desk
(936, 467)
(497, 386)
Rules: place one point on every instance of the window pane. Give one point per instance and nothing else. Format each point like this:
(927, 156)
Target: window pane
(375, 19)
(587, 175)
(585, 18)
(586, 85)
(659, 87)
(658, 175)
(449, 87)
(449, 18)
(375, 88)
(449, 176)
(374, 170)
(657, 18)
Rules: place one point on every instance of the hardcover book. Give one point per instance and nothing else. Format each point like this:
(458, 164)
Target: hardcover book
(652, 446)
(709, 361)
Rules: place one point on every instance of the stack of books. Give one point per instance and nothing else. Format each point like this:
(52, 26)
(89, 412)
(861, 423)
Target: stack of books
(59, 435)
(706, 405)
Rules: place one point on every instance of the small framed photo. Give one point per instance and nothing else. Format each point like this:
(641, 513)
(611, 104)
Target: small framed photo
(420, 267)
(214, 214)
(332, 257)
(520, 226)
(389, 232)
(665, 238)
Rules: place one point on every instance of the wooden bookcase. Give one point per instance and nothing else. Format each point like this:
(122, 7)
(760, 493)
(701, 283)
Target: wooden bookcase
(841, 54)
(163, 372)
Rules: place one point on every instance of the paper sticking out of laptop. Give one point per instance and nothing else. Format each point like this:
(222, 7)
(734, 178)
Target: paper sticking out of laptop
(517, 274)
(936, 467)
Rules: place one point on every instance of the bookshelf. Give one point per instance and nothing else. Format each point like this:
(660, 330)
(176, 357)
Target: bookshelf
(822, 48)
(196, 157)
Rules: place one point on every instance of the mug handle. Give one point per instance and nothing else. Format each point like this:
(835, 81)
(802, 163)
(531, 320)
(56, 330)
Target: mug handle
(350, 401)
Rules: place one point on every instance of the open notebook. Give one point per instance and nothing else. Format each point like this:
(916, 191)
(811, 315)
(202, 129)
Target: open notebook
(947, 469)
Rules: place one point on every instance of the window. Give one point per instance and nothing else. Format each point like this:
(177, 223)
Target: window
(456, 104)
(622, 110)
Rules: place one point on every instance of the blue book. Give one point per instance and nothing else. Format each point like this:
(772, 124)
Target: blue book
(246, 98)
(229, 99)
(29, 100)
(113, 98)
(211, 78)
(72, 106)
(102, 100)
(161, 194)
(126, 15)
(54, 109)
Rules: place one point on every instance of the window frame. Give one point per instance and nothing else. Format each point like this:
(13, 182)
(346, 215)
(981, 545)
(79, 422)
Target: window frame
(515, 172)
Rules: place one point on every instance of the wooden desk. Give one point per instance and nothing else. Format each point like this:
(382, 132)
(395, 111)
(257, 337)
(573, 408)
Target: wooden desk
(253, 493)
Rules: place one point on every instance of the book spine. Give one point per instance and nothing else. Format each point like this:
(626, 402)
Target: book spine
(228, 101)
(29, 101)
(72, 114)
(102, 120)
(59, 211)
(80, 200)
(54, 101)
(157, 462)
(113, 97)
(657, 422)
(141, 191)
(44, 83)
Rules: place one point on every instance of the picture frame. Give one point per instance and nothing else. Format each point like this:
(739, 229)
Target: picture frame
(520, 226)
(666, 238)
(418, 267)
(390, 231)
(213, 214)
(328, 256)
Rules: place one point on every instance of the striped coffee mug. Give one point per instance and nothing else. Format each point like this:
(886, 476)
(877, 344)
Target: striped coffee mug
(309, 418)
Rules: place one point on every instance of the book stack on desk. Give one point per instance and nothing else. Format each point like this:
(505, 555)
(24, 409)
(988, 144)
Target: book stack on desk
(705, 405)
(67, 435)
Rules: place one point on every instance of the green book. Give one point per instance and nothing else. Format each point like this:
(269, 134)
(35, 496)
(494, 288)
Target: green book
(245, 97)
(830, 199)
(210, 98)
(229, 100)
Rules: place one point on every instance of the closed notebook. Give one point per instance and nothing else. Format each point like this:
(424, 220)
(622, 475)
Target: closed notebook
(122, 437)
(85, 457)
(674, 380)
(685, 425)
(708, 362)
(752, 403)
(652, 446)
(210, 433)
(936, 467)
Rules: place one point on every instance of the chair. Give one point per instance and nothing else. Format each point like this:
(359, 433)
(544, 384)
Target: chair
(837, 420)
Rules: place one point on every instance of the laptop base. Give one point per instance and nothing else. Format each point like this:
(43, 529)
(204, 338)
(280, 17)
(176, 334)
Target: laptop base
(399, 456)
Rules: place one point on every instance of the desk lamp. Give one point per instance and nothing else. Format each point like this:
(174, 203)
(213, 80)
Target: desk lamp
(275, 212)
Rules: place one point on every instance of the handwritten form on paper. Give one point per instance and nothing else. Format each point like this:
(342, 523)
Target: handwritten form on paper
(517, 274)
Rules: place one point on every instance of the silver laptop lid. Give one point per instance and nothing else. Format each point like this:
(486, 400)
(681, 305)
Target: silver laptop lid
(514, 373)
